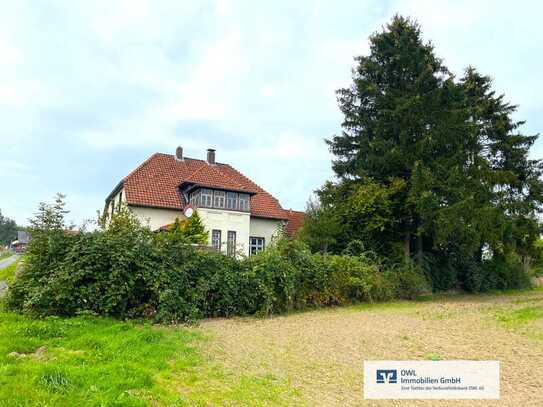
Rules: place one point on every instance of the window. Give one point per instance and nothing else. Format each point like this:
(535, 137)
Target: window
(218, 199)
(120, 199)
(195, 198)
(216, 239)
(207, 198)
(210, 198)
(231, 243)
(243, 202)
(231, 200)
(112, 206)
(256, 244)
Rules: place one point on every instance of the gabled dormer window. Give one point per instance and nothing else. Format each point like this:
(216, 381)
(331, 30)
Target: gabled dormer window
(220, 199)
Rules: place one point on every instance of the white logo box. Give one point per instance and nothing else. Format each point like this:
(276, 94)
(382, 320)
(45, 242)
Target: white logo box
(446, 379)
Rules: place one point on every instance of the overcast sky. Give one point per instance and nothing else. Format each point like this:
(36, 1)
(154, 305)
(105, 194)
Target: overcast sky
(88, 90)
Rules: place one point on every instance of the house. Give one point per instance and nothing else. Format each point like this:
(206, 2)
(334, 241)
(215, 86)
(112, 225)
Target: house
(19, 245)
(240, 216)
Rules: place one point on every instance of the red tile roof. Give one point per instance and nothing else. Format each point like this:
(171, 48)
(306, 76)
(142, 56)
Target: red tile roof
(295, 221)
(156, 183)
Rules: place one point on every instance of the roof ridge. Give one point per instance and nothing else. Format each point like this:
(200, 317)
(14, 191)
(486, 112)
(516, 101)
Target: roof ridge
(189, 158)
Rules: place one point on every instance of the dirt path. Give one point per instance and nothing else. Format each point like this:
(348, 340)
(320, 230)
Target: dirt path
(321, 353)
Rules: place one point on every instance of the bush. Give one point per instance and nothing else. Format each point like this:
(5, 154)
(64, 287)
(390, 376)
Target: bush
(127, 271)
(501, 272)
(410, 281)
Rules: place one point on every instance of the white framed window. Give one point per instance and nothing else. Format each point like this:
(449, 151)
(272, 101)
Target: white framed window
(216, 239)
(207, 198)
(218, 199)
(256, 244)
(231, 243)
(243, 202)
(195, 198)
(231, 200)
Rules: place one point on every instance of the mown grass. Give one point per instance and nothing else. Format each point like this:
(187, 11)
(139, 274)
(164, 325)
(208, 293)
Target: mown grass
(90, 361)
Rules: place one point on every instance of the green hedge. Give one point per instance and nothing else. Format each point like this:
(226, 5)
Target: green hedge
(127, 271)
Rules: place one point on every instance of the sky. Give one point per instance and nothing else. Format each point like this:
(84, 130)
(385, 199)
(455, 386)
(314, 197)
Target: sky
(88, 90)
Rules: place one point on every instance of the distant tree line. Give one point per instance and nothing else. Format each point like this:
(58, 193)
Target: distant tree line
(8, 230)
(430, 168)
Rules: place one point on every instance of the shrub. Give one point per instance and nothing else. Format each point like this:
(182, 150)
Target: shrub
(410, 281)
(126, 271)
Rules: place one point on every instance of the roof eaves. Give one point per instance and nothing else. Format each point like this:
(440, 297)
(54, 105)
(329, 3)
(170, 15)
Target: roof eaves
(117, 188)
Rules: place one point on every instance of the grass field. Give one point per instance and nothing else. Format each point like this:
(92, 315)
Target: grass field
(309, 358)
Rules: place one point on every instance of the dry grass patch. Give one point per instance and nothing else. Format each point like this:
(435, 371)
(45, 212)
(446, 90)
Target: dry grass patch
(321, 352)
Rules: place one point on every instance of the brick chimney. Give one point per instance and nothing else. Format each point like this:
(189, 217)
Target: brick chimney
(179, 153)
(210, 156)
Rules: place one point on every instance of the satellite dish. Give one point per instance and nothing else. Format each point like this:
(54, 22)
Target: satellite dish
(188, 212)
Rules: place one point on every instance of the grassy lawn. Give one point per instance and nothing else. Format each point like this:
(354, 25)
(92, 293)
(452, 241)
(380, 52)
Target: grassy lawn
(97, 361)
(309, 358)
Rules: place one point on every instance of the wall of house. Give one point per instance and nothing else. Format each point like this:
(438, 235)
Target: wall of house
(156, 217)
(266, 228)
(224, 221)
(116, 200)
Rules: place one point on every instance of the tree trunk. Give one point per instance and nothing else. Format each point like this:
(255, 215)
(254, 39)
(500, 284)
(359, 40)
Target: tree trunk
(407, 246)
(324, 248)
(526, 260)
(419, 249)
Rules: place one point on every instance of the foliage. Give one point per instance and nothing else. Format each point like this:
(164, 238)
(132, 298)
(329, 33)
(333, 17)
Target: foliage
(538, 257)
(431, 167)
(8, 230)
(192, 229)
(127, 271)
(320, 228)
(195, 230)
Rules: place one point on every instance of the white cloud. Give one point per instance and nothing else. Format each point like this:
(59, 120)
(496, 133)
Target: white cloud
(107, 83)
(223, 7)
(11, 55)
(268, 91)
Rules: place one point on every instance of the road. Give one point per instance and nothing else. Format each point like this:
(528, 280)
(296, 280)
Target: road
(3, 264)
(6, 262)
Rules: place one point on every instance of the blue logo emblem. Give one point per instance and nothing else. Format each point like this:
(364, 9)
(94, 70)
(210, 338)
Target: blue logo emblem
(387, 376)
